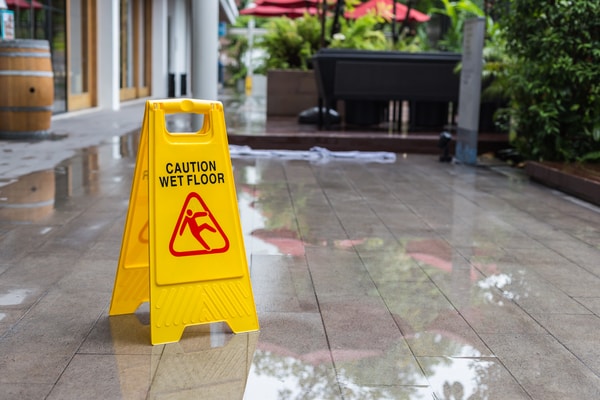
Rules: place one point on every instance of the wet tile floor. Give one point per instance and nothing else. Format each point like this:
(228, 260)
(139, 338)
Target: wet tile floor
(404, 280)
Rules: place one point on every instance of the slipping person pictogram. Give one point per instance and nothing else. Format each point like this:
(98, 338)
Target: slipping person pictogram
(197, 231)
(190, 220)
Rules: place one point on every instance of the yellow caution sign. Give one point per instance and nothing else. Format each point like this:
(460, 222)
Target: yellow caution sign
(183, 249)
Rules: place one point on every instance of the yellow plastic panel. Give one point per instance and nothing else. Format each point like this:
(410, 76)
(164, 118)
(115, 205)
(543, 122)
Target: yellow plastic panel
(132, 280)
(197, 265)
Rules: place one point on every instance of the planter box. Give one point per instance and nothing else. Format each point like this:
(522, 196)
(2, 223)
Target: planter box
(427, 80)
(290, 92)
(344, 74)
(572, 179)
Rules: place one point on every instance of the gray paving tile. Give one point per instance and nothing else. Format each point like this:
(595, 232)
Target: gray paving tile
(282, 284)
(578, 333)
(122, 377)
(25, 391)
(591, 303)
(338, 273)
(533, 360)
(470, 378)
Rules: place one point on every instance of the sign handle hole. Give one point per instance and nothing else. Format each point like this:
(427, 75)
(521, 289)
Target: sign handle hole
(187, 123)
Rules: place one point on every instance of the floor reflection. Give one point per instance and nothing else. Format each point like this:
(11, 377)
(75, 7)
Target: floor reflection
(194, 368)
(30, 198)
(274, 376)
(208, 362)
(413, 280)
(460, 378)
(35, 196)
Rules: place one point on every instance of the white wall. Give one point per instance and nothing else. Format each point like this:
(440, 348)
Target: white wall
(160, 73)
(178, 38)
(108, 54)
(205, 49)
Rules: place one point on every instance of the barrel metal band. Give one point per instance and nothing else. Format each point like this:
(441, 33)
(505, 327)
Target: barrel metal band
(24, 44)
(42, 74)
(24, 54)
(23, 134)
(25, 109)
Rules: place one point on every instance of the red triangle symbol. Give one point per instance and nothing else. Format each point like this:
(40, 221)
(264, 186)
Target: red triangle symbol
(197, 231)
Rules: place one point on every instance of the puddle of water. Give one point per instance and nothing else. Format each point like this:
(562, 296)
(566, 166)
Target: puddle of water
(14, 297)
(29, 198)
(35, 196)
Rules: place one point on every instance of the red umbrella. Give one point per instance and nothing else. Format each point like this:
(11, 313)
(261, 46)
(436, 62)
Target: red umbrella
(384, 8)
(281, 8)
(23, 4)
(260, 10)
(289, 3)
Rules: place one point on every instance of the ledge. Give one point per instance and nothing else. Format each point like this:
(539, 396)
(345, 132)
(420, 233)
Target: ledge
(579, 180)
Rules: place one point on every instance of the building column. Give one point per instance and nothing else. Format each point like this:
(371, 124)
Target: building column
(108, 54)
(205, 49)
(177, 48)
(160, 72)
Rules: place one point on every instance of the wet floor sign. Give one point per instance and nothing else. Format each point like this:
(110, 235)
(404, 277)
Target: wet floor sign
(183, 248)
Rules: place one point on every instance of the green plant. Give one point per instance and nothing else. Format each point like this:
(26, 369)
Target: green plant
(290, 43)
(413, 43)
(457, 12)
(236, 50)
(497, 64)
(236, 47)
(555, 79)
(497, 61)
(373, 32)
(242, 21)
(362, 33)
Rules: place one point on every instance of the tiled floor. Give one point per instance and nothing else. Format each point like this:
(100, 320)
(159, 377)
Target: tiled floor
(406, 280)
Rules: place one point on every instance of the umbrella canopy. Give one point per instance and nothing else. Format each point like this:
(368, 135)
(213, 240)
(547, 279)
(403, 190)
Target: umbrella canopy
(268, 10)
(284, 8)
(24, 4)
(384, 8)
(289, 3)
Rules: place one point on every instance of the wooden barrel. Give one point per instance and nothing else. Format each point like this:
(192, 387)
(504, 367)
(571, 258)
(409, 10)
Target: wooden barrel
(26, 89)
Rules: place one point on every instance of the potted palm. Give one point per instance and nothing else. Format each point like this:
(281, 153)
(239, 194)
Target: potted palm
(289, 45)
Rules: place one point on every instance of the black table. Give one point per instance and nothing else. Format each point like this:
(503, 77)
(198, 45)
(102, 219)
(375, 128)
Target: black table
(361, 75)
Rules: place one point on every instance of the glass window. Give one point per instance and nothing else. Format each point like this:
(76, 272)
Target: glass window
(134, 48)
(141, 44)
(78, 41)
(127, 43)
